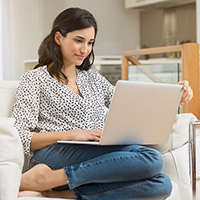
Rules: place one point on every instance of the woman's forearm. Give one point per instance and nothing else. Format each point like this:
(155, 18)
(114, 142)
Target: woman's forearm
(41, 140)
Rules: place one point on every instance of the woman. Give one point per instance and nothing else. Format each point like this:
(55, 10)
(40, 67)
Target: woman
(62, 99)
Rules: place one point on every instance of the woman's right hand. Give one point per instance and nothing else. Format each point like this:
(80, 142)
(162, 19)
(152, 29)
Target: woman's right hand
(86, 135)
(41, 140)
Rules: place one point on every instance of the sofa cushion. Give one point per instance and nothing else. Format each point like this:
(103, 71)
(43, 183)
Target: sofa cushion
(39, 198)
(177, 168)
(11, 160)
(175, 195)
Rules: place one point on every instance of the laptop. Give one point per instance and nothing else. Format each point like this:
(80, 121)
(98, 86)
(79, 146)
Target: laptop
(140, 113)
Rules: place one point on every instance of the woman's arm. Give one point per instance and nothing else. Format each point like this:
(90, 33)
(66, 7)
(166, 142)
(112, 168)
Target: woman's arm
(41, 140)
(26, 108)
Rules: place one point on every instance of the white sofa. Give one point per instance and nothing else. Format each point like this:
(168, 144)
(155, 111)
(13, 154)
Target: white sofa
(175, 152)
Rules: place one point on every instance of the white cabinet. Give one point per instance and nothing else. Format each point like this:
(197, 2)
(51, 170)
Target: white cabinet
(160, 3)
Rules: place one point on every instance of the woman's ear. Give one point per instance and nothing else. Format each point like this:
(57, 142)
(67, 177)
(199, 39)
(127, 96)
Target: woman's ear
(57, 37)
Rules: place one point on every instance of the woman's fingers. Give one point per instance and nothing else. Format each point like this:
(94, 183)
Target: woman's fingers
(187, 92)
(85, 135)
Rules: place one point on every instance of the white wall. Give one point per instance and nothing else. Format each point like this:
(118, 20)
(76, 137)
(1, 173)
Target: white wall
(119, 28)
(21, 34)
(27, 22)
(50, 9)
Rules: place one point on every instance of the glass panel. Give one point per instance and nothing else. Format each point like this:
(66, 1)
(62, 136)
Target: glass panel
(168, 73)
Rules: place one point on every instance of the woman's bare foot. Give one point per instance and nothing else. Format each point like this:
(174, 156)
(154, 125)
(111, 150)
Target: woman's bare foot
(67, 194)
(42, 178)
(33, 178)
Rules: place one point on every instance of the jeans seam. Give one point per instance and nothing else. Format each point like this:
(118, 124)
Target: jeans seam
(101, 161)
(116, 190)
(70, 184)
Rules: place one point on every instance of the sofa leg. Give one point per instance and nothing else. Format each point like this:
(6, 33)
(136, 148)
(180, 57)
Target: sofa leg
(192, 150)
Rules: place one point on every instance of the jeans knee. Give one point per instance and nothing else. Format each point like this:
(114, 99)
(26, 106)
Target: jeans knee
(156, 163)
(159, 161)
(164, 186)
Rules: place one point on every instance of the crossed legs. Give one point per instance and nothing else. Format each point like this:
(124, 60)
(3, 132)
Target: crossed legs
(91, 171)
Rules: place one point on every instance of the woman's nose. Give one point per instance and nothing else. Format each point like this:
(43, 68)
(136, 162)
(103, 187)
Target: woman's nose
(84, 48)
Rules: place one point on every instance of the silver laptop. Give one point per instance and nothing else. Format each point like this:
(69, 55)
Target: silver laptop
(140, 113)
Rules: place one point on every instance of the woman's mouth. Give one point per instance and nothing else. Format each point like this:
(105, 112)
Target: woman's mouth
(81, 57)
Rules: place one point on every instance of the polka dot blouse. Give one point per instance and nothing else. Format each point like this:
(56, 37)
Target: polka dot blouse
(45, 105)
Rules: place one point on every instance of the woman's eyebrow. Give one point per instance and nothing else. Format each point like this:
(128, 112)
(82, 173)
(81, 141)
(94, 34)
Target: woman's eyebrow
(80, 37)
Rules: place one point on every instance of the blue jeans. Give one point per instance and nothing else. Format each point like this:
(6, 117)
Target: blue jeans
(108, 172)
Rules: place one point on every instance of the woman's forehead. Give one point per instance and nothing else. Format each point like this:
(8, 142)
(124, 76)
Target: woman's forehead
(87, 33)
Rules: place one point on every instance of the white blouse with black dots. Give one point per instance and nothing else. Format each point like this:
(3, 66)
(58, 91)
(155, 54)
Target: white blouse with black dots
(45, 105)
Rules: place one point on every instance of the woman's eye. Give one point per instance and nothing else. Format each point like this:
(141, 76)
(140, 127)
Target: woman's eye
(90, 43)
(77, 40)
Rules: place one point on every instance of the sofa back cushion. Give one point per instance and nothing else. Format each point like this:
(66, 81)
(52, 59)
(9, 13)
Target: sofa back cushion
(11, 160)
(7, 97)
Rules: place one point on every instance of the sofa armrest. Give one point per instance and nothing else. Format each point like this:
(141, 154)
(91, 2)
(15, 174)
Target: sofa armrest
(11, 160)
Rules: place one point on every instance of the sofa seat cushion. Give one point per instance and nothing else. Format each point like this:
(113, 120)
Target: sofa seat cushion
(39, 198)
(177, 169)
(175, 195)
(11, 160)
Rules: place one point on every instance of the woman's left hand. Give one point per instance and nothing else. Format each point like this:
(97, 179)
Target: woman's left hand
(187, 93)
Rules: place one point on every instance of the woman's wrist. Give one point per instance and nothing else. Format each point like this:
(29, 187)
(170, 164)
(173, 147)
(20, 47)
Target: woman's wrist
(41, 140)
(67, 135)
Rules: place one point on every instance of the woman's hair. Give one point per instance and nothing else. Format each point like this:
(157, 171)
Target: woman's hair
(49, 51)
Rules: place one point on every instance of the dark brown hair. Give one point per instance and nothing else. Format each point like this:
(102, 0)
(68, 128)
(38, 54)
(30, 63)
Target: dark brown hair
(49, 51)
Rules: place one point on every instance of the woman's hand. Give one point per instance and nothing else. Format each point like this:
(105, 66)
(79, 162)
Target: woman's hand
(41, 140)
(86, 135)
(187, 93)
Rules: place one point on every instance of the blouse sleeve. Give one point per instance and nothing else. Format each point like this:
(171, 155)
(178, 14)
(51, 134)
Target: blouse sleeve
(106, 87)
(26, 109)
(108, 91)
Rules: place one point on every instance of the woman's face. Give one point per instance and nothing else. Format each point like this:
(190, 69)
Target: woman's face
(76, 46)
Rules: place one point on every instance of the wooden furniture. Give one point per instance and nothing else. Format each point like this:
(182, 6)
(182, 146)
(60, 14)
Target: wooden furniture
(190, 69)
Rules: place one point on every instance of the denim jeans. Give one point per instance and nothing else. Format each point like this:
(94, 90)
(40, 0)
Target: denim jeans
(108, 172)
